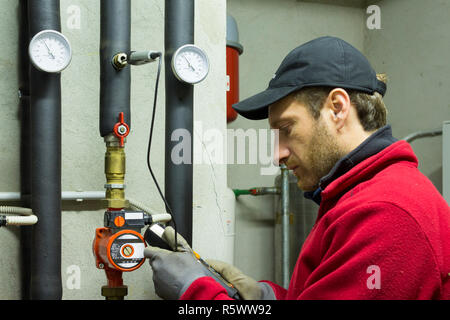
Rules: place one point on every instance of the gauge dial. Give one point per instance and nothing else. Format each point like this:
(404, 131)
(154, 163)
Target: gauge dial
(190, 64)
(50, 51)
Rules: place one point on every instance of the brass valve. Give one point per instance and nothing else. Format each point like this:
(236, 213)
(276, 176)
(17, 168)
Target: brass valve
(115, 174)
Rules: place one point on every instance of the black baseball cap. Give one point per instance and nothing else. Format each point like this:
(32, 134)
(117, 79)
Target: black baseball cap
(324, 62)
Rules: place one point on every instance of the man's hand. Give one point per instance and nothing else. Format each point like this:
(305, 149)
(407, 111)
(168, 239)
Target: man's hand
(173, 272)
(249, 288)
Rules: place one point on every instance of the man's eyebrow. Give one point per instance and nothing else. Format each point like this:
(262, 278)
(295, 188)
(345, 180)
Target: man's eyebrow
(276, 124)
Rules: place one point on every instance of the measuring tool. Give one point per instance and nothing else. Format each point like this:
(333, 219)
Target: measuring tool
(190, 64)
(154, 237)
(50, 51)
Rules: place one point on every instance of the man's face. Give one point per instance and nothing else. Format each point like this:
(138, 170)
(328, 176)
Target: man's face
(306, 145)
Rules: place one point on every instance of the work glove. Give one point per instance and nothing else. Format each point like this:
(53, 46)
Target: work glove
(174, 272)
(248, 288)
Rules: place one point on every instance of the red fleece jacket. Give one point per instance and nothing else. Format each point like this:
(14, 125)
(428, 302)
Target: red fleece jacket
(382, 232)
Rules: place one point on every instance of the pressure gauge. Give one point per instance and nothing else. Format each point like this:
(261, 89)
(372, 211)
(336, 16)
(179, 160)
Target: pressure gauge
(50, 51)
(190, 64)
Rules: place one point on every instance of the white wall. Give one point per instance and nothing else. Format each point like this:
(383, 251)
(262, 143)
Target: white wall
(83, 149)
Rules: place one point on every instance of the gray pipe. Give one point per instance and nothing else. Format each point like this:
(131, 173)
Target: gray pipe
(45, 100)
(285, 226)
(115, 37)
(179, 30)
(422, 134)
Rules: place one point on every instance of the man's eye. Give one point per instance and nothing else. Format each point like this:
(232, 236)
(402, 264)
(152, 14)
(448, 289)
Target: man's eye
(286, 129)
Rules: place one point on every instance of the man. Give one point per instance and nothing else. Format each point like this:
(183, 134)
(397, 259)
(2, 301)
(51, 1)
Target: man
(382, 231)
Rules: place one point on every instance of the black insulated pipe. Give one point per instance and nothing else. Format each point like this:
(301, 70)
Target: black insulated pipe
(178, 31)
(115, 37)
(2, 221)
(45, 101)
(25, 148)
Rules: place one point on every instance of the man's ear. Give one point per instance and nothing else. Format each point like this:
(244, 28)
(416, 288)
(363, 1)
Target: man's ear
(339, 106)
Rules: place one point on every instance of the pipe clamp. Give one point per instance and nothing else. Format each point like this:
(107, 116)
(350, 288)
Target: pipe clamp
(114, 186)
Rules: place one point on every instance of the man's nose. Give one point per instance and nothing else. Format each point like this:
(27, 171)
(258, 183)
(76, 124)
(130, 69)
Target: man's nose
(281, 155)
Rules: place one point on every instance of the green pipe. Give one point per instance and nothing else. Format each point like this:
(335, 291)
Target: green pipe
(239, 192)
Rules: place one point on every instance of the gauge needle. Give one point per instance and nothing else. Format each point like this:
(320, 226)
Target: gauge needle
(190, 65)
(49, 51)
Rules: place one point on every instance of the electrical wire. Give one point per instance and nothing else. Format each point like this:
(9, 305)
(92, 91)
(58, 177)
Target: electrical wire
(158, 54)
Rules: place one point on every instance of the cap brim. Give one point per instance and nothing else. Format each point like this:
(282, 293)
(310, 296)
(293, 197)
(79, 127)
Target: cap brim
(257, 107)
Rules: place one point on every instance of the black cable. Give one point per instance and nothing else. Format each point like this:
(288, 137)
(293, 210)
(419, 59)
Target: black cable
(149, 147)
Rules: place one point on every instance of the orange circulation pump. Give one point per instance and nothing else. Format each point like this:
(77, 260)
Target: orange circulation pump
(119, 247)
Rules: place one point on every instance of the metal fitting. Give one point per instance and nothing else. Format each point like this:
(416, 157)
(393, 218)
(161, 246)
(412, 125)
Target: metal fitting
(115, 177)
(119, 61)
(114, 293)
(115, 165)
(264, 191)
(112, 141)
(114, 186)
(122, 129)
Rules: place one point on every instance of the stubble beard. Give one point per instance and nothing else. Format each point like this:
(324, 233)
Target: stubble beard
(322, 154)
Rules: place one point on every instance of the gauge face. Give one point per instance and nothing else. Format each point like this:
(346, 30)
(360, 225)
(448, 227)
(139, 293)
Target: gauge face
(190, 64)
(50, 51)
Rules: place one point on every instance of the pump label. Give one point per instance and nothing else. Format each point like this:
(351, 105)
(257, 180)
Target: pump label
(127, 251)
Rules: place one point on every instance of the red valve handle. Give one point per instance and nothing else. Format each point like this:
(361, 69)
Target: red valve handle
(121, 126)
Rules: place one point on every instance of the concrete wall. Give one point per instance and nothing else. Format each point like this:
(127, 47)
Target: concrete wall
(83, 149)
(268, 30)
(411, 47)
(9, 154)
